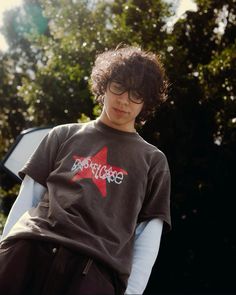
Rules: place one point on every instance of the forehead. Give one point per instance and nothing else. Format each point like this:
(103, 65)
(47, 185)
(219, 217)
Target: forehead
(127, 82)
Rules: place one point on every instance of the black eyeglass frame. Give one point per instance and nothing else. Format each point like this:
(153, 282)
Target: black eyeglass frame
(125, 90)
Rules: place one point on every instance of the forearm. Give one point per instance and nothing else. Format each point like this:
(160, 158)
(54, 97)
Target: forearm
(146, 247)
(29, 195)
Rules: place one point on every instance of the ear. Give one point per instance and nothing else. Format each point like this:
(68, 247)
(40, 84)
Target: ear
(102, 99)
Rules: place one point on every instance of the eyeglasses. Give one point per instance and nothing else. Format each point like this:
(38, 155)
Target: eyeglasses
(117, 88)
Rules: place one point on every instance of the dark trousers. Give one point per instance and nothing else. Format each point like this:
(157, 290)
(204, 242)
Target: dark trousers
(31, 267)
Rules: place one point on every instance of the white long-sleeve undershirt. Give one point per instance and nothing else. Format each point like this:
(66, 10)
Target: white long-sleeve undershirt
(146, 247)
(29, 196)
(147, 235)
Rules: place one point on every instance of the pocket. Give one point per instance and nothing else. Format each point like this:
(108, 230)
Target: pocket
(105, 275)
(10, 247)
(15, 262)
(6, 245)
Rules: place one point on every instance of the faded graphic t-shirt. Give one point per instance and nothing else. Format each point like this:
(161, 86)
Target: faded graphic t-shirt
(101, 182)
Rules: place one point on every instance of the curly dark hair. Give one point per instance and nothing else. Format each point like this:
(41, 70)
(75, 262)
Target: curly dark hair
(135, 69)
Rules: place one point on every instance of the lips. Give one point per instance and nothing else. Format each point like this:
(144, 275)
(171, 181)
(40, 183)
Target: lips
(118, 111)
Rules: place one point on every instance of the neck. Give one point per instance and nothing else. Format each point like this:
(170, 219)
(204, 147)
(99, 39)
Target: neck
(122, 127)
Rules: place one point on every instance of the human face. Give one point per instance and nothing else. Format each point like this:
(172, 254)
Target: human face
(119, 111)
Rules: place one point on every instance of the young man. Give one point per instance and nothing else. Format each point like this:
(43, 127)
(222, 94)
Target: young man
(89, 215)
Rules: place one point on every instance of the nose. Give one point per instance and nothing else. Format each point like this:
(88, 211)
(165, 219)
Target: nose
(124, 98)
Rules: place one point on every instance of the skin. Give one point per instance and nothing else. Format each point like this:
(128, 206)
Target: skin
(119, 112)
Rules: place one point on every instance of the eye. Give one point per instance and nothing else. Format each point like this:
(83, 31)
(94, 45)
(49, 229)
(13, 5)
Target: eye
(135, 94)
(136, 97)
(117, 88)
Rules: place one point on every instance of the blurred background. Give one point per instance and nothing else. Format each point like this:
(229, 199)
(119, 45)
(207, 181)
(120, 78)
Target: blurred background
(47, 49)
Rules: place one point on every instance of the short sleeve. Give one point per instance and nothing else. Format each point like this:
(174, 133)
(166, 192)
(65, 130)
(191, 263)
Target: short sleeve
(41, 163)
(157, 200)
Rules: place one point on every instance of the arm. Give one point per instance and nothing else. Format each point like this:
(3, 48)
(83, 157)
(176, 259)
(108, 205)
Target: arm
(146, 247)
(29, 196)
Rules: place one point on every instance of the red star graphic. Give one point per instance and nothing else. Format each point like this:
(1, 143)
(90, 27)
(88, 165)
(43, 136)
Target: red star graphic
(97, 169)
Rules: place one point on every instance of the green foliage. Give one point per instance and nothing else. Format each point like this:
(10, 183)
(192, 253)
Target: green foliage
(218, 81)
(7, 197)
(12, 107)
(2, 221)
(60, 93)
(140, 22)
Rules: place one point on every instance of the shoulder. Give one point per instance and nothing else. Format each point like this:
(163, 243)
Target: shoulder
(64, 128)
(156, 156)
(67, 130)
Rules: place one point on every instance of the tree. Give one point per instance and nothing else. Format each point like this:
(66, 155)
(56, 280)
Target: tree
(17, 63)
(59, 92)
(12, 107)
(140, 22)
(196, 129)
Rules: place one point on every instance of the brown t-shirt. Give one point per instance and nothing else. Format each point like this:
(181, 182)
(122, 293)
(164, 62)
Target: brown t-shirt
(101, 182)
